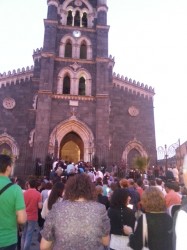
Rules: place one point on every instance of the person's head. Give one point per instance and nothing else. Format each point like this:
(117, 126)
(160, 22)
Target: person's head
(123, 183)
(158, 181)
(56, 193)
(5, 165)
(130, 182)
(172, 185)
(79, 186)
(98, 190)
(48, 185)
(139, 182)
(153, 200)
(120, 198)
(99, 181)
(32, 183)
(152, 183)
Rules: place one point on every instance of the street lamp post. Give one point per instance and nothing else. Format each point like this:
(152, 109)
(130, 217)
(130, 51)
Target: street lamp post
(166, 157)
(166, 153)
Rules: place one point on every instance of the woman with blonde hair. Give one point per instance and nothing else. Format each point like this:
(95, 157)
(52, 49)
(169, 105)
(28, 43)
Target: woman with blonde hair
(159, 223)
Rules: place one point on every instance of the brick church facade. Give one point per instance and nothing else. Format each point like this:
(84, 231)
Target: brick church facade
(70, 104)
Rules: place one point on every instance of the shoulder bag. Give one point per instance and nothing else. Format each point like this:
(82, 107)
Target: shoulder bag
(5, 187)
(145, 232)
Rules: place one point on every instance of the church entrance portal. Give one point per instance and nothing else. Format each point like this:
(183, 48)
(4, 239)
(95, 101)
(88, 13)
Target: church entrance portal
(72, 148)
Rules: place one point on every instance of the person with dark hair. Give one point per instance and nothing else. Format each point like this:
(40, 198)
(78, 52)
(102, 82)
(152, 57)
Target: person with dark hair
(46, 191)
(79, 222)
(159, 185)
(12, 206)
(102, 198)
(134, 195)
(33, 201)
(159, 223)
(172, 197)
(55, 196)
(120, 215)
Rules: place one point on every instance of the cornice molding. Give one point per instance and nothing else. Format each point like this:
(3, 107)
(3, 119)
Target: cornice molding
(137, 88)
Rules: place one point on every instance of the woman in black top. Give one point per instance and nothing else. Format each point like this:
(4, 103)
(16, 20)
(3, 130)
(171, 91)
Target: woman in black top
(120, 215)
(158, 221)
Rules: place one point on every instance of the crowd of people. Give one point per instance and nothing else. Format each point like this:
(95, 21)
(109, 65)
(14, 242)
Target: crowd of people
(78, 207)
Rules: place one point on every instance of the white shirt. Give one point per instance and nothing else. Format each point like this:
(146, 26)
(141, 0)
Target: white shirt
(180, 230)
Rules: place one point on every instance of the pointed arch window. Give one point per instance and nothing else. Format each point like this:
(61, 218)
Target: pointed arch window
(70, 18)
(83, 50)
(77, 19)
(82, 86)
(84, 20)
(68, 49)
(66, 85)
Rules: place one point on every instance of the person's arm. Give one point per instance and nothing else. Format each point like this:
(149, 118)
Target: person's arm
(45, 210)
(45, 245)
(105, 240)
(21, 216)
(40, 204)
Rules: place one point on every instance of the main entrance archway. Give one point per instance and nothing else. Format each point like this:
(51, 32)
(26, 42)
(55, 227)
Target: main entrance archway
(82, 135)
(72, 148)
(133, 149)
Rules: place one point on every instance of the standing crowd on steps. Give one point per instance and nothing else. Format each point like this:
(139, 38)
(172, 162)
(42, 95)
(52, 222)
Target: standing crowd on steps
(78, 207)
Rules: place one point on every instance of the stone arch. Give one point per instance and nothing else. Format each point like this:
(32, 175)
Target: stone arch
(88, 5)
(72, 125)
(9, 140)
(63, 42)
(63, 72)
(88, 44)
(31, 138)
(84, 73)
(134, 144)
(74, 80)
(35, 100)
(63, 11)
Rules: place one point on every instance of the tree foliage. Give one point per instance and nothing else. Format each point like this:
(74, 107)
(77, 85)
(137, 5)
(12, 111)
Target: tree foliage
(141, 163)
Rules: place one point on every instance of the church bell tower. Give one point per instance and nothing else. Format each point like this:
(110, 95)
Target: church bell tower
(76, 74)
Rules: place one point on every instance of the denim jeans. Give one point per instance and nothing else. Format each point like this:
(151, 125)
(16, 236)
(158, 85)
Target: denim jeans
(12, 247)
(27, 234)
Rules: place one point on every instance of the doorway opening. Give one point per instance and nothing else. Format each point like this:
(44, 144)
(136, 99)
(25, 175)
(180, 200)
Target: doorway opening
(72, 148)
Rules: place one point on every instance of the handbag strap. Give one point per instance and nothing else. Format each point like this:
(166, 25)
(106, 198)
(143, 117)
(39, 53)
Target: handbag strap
(5, 187)
(145, 230)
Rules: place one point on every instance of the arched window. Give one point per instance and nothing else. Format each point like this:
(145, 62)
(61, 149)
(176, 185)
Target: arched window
(83, 50)
(70, 18)
(82, 86)
(66, 85)
(84, 20)
(77, 19)
(68, 49)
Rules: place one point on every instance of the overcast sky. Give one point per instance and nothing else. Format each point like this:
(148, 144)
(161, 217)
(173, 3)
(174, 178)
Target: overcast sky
(148, 39)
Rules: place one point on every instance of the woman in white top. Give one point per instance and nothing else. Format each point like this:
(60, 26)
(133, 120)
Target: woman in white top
(55, 196)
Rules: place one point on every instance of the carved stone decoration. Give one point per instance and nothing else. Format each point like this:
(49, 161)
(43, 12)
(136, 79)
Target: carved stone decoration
(78, 3)
(133, 111)
(9, 103)
(75, 66)
(31, 138)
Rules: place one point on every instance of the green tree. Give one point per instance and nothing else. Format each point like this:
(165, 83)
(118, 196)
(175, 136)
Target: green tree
(141, 163)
